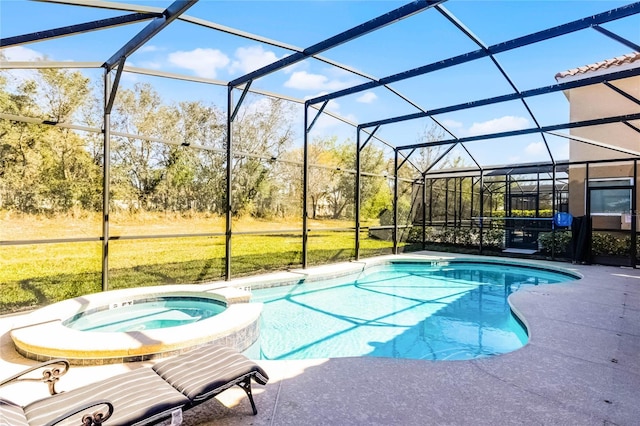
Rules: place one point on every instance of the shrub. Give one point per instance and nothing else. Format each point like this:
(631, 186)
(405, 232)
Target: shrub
(610, 245)
(557, 242)
(493, 237)
(468, 237)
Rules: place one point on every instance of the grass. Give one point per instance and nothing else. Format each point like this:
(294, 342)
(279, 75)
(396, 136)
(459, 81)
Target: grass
(35, 275)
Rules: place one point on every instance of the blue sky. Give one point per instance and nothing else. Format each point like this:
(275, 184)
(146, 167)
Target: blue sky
(418, 40)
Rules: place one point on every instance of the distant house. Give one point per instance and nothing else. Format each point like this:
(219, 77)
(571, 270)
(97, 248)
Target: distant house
(600, 189)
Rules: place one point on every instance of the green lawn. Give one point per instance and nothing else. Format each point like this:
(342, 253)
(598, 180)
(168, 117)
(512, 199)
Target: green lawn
(40, 274)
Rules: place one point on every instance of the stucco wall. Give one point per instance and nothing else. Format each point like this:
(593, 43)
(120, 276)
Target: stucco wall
(599, 101)
(593, 102)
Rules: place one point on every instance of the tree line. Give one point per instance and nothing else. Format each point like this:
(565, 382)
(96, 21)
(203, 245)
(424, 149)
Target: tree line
(54, 169)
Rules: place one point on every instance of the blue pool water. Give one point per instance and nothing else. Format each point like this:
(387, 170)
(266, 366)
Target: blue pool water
(416, 310)
(146, 314)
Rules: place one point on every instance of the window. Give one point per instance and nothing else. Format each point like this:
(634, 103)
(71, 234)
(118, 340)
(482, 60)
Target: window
(610, 196)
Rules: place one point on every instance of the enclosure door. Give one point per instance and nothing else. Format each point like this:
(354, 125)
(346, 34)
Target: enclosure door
(522, 232)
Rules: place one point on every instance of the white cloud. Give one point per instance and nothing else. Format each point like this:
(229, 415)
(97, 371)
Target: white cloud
(329, 124)
(295, 66)
(251, 58)
(334, 106)
(303, 80)
(154, 65)
(19, 53)
(203, 62)
(367, 98)
(451, 124)
(535, 148)
(502, 124)
(563, 151)
(130, 77)
(326, 122)
(321, 93)
(148, 48)
(261, 104)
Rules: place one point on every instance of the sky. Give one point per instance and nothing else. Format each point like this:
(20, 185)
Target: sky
(421, 39)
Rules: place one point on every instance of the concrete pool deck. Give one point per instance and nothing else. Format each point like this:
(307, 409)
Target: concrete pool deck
(580, 367)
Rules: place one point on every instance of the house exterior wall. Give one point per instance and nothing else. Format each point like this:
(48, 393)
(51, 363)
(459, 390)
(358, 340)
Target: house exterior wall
(593, 102)
(577, 190)
(599, 101)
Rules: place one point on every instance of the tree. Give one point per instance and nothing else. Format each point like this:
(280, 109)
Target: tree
(323, 161)
(44, 167)
(68, 174)
(435, 158)
(331, 178)
(139, 163)
(63, 91)
(262, 129)
(182, 186)
(18, 147)
(426, 157)
(375, 194)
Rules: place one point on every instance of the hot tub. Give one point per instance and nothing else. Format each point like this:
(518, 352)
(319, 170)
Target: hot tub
(138, 324)
(147, 313)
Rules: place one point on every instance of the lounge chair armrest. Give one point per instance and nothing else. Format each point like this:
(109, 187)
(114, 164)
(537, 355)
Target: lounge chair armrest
(92, 419)
(49, 375)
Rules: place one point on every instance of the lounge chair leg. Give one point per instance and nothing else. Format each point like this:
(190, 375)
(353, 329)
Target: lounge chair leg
(246, 385)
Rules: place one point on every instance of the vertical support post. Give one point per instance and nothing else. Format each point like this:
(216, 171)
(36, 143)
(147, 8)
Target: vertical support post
(357, 195)
(553, 212)
(587, 209)
(538, 195)
(424, 211)
(587, 198)
(460, 204)
(446, 203)
(106, 180)
(490, 204)
(430, 202)
(482, 209)
(305, 188)
(229, 189)
(455, 204)
(395, 202)
(634, 216)
(473, 184)
(508, 223)
(507, 194)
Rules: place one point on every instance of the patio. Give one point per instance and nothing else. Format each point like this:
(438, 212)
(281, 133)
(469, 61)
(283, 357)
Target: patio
(581, 367)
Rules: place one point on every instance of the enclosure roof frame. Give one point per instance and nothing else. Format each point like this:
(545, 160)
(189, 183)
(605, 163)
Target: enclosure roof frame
(564, 29)
(176, 11)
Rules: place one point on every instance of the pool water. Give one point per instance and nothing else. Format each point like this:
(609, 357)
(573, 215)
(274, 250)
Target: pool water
(146, 314)
(415, 310)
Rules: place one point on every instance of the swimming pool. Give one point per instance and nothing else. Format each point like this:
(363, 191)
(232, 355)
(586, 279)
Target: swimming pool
(445, 310)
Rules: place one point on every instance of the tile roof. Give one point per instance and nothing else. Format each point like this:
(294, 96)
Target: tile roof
(602, 65)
